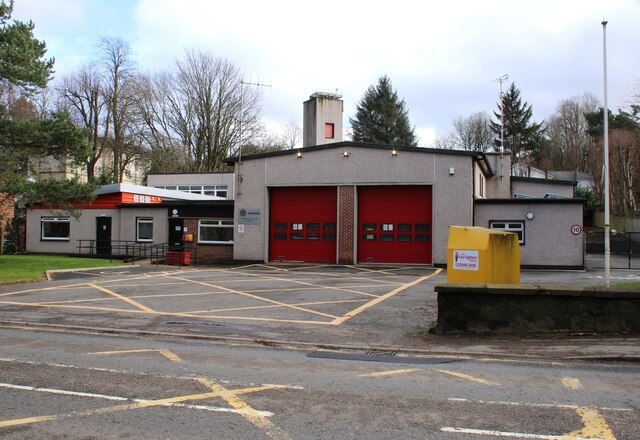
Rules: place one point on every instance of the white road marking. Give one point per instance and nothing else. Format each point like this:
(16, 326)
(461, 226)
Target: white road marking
(531, 405)
(508, 434)
(126, 399)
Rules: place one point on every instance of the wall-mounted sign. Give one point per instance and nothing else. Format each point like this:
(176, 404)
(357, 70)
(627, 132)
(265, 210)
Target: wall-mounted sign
(248, 216)
(465, 260)
(139, 198)
(240, 229)
(576, 229)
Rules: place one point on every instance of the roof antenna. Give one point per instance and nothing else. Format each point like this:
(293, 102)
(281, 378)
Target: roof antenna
(502, 79)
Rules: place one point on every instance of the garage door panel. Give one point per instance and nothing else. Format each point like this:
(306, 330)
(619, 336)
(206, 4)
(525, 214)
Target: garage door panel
(394, 224)
(303, 224)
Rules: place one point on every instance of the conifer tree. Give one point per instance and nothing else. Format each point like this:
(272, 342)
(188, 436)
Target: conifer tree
(382, 118)
(522, 137)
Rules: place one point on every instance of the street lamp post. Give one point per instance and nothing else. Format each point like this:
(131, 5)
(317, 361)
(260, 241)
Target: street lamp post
(605, 170)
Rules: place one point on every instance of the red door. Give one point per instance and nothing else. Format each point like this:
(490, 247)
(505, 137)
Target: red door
(302, 224)
(394, 224)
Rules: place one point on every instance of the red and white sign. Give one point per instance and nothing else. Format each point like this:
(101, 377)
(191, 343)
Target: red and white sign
(465, 260)
(576, 229)
(140, 198)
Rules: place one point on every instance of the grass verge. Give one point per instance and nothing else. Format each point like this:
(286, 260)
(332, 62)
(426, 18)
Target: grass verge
(628, 285)
(25, 268)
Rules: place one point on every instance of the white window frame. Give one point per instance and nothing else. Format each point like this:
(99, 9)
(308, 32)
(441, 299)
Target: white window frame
(214, 223)
(44, 220)
(509, 227)
(145, 220)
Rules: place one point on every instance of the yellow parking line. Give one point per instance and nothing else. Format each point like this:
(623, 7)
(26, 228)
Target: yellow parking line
(172, 314)
(234, 309)
(467, 377)
(123, 298)
(166, 353)
(255, 418)
(390, 373)
(378, 300)
(131, 406)
(572, 383)
(256, 297)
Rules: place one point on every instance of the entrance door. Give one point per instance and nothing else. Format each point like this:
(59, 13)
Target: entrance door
(394, 224)
(176, 234)
(302, 224)
(103, 235)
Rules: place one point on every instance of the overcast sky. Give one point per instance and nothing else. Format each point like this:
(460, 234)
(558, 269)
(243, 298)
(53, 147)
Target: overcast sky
(442, 57)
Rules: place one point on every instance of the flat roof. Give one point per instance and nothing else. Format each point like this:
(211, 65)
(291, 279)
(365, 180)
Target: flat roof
(150, 191)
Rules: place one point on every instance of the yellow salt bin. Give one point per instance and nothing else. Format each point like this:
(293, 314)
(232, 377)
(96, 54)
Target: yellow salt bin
(481, 255)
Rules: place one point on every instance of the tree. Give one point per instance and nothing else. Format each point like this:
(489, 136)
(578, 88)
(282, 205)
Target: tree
(25, 136)
(472, 133)
(624, 159)
(382, 118)
(119, 82)
(570, 146)
(84, 95)
(521, 136)
(202, 108)
(22, 60)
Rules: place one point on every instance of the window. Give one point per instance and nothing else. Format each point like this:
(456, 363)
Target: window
(144, 229)
(296, 226)
(54, 228)
(386, 237)
(422, 227)
(369, 227)
(280, 227)
(313, 226)
(329, 227)
(404, 227)
(386, 227)
(509, 226)
(215, 231)
(329, 130)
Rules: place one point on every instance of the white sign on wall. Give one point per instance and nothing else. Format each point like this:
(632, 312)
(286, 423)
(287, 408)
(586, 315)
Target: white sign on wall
(465, 260)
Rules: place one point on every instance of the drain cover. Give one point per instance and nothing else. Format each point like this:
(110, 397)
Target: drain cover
(380, 357)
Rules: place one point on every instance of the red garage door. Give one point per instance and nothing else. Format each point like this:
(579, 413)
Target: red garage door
(302, 224)
(394, 224)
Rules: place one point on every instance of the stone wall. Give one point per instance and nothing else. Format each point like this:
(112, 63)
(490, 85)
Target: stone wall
(479, 308)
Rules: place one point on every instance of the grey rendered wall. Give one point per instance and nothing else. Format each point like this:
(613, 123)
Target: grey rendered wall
(540, 190)
(498, 186)
(82, 229)
(548, 237)
(452, 194)
(128, 223)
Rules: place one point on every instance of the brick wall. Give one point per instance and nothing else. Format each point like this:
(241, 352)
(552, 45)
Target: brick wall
(206, 253)
(346, 212)
(6, 216)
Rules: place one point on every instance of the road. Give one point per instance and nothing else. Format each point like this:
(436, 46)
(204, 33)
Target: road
(72, 385)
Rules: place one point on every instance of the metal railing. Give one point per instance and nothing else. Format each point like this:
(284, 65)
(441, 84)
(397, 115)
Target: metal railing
(625, 250)
(118, 249)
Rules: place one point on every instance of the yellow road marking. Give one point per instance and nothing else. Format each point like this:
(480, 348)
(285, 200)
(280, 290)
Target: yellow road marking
(378, 300)
(123, 298)
(237, 292)
(137, 405)
(572, 383)
(467, 377)
(174, 314)
(235, 309)
(390, 372)
(166, 353)
(595, 426)
(255, 418)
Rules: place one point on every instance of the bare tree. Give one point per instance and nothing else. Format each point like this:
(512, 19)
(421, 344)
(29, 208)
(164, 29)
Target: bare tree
(292, 136)
(202, 108)
(118, 72)
(472, 133)
(570, 145)
(83, 94)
